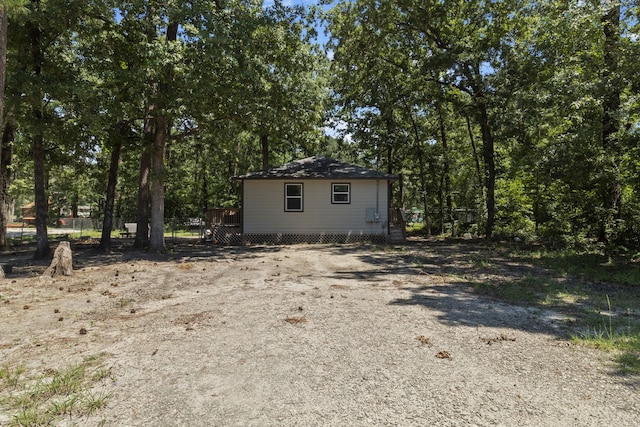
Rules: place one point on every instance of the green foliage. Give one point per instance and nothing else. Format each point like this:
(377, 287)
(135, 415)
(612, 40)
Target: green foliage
(597, 292)
(237, 71)
(629, 362)
(528, 289)
(10, 377)
(515, 211)
(592, 264)
(544, 75)
(44, 399)
(528, 108)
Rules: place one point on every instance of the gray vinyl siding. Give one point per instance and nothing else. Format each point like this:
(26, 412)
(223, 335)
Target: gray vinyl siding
(264, 208)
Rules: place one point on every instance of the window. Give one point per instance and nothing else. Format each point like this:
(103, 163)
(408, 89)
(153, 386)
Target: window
(340, 193)
(293, 197)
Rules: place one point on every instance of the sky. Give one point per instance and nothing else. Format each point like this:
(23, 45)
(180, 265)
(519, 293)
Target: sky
(321, 36)
(293, 2)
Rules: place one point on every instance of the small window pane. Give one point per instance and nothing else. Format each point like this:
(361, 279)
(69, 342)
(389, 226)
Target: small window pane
(340, 193)
(294, 204)
(294, 190)
(293, 197)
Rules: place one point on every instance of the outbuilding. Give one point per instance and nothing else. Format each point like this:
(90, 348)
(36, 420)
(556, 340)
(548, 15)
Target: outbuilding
(316, 199)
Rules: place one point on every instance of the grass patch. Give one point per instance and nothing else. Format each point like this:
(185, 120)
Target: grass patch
(481, 262)
(629, 362)
(611, 330)
(10, 377)
(528, 289)
(599, 293)
(34, 400)
(416, 229)
(592, 266)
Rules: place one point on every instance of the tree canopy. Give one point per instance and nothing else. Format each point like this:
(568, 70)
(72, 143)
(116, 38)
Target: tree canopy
(504, 119)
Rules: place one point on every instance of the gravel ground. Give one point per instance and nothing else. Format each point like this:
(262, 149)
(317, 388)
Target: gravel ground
(308, 335)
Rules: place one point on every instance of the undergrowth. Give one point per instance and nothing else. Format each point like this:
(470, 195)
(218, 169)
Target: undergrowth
(599, 293)
(46, 398)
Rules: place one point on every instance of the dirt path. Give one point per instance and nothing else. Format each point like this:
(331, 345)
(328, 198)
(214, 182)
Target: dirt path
(307, 335)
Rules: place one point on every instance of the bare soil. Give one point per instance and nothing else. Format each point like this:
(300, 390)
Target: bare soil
(307, 335)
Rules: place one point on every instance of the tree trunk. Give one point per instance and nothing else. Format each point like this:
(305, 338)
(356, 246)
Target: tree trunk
(611, 188)
(37, 140)
(204, 192)
(423, 186)
(156, 242)
(475, 155)
(107, 225)
(6, 155)
(161, 135)
(75, 200)
(441, 204)
(144, 196)
(401, 195)
(447, 175)
(423, 189)
(62, 263)
(42, 240)
(489, 166)
(264, 145)
(4, 21)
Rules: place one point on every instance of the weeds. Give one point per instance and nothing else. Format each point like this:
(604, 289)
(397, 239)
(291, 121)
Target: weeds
(31, 416)
(44, 399)
(62, 407)
(629, 362)
(481, 262)
(596, 336)
(529, 289)
(100, 374)
(67, 382)
(600, 293)
(591, 265)
(10, 377)
(94, 401)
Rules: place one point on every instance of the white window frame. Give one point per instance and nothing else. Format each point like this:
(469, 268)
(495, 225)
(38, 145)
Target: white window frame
(288, 197)
(335, 193)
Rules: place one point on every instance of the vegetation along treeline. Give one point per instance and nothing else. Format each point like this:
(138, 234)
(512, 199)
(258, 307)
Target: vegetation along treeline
(503, 118)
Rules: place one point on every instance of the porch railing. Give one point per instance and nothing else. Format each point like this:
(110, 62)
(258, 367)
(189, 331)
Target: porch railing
(228, 217)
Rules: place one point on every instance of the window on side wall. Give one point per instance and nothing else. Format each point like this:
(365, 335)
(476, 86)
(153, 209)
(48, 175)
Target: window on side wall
(341, 193)
(293, 197)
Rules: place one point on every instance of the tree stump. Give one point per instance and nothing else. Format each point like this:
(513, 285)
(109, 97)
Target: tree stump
(62, 262)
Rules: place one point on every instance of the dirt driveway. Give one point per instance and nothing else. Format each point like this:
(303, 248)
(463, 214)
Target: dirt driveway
(305, 335)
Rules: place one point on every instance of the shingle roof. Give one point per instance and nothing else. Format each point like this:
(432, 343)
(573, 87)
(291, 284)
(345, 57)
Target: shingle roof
(318, 168)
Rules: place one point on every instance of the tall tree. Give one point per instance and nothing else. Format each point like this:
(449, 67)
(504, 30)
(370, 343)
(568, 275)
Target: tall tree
(467, 42)
(112, 182)
(36, 54)
(162, 128)
(611, 188)
(281, 75)
(7, 126)
(43, 76)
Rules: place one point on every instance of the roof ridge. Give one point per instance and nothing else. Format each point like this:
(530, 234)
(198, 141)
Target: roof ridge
(318, 167)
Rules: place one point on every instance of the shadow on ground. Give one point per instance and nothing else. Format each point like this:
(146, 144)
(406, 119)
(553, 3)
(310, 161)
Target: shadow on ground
(86, 254)
(474, 283)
